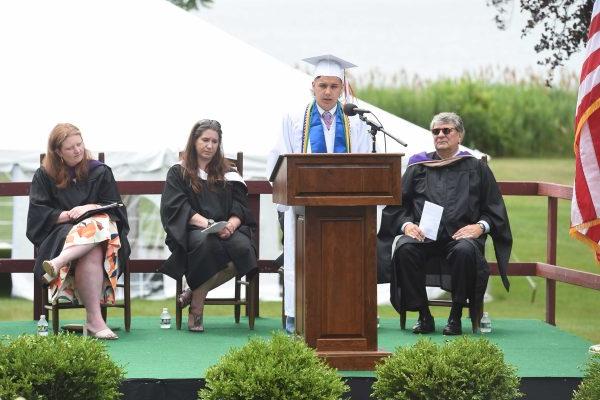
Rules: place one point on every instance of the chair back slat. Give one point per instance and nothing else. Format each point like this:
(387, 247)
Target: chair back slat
(238, 162)
(100, 157)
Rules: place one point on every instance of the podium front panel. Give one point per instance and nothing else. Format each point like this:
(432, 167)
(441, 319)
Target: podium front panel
(336, 278)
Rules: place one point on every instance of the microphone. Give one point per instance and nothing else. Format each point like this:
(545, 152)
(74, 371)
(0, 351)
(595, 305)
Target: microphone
(351, 110)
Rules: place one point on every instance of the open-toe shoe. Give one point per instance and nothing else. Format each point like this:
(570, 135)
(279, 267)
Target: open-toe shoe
(195, 322)
(104, 334)
(185, 298)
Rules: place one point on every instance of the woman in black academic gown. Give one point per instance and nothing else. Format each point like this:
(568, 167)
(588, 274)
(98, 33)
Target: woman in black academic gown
(201, 189)
(81, 255)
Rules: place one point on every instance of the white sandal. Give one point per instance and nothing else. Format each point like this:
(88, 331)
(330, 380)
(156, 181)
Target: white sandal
(104, 334)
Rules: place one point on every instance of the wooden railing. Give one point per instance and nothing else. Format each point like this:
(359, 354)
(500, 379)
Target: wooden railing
(547, 270)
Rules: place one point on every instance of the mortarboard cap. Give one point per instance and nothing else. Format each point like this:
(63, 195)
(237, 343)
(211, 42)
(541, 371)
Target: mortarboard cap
(329, 65)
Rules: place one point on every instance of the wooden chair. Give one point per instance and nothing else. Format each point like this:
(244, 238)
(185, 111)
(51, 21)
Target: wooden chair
(54, 309)
(250, 281)
(434, 278)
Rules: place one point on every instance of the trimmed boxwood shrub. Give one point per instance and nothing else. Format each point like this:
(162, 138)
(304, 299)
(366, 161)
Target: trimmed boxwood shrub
(461, 369)
(279, 368)
(57, 367)
(589, 388)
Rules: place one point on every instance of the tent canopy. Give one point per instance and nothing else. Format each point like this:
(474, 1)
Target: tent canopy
(135, 75)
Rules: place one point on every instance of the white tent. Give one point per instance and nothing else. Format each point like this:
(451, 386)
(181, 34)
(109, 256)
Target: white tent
(134, 75)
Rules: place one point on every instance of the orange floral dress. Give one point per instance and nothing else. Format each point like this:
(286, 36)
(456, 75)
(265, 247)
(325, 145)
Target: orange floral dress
(97, 229)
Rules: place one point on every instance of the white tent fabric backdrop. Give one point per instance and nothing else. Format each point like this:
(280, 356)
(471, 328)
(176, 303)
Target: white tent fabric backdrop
(134, 76)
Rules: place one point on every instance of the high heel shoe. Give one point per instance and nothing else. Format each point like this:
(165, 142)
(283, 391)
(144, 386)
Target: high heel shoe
(185, 298)
(197, 322)
(104, 334)
(48, 279)
(50, 271)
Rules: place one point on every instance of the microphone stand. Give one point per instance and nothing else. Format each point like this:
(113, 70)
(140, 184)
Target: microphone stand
(375, 127)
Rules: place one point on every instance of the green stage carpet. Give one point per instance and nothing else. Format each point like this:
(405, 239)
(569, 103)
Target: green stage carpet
(535, 348)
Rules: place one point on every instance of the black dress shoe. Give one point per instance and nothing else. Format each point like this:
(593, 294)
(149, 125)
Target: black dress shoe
(425, 325)
(453, 328)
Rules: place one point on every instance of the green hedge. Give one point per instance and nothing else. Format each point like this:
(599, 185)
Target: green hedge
(280, 368)
(589, 389)
(461, 369)
(520, 119)
(57, 367)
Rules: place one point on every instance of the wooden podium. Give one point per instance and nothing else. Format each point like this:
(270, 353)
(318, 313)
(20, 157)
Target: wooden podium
(335, 197)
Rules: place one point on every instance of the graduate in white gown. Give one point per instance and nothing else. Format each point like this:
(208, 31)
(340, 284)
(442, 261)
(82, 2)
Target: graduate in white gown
(321, 127)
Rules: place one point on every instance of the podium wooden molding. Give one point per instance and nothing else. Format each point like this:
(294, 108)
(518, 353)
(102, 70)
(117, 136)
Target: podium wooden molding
(335, 198)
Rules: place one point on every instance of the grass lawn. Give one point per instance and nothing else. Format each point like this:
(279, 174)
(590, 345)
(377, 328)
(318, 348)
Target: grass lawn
(578, 309)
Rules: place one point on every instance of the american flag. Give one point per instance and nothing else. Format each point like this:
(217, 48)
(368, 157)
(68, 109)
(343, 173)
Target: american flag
(585, 206)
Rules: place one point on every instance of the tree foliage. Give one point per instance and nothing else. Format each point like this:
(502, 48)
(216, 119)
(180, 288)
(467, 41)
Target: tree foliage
(192, 4)
(563, 25)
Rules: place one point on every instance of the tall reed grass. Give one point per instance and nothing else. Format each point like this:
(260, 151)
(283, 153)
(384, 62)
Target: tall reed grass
(504, 114)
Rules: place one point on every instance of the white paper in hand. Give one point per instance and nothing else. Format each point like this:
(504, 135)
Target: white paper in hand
(430, 220)
(215, 228)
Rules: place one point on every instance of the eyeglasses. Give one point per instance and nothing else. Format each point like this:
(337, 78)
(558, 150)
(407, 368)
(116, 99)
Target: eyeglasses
(445, 131)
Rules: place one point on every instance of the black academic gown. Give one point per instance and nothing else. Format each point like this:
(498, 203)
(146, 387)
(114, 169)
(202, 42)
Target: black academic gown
(468, 192)
(196, 255)
(47, 201)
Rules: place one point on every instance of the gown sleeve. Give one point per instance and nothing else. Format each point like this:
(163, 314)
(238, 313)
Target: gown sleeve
(283, 146)
(392, 219)
(361, 138)
(175, 209)
(42, 214)
(239, 206)
(109, 193)
(493, 211)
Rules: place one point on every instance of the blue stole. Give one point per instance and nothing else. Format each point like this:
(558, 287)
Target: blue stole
(317, 135)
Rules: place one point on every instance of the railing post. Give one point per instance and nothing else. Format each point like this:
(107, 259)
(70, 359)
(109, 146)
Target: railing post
(551, 259)
(38, 300)
(254, 205)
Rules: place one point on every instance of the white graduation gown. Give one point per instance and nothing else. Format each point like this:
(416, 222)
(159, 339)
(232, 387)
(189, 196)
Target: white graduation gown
(290, 141)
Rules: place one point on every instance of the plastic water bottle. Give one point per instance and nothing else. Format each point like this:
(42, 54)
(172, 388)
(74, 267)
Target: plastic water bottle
(165, 319)
(42, 326)
(485, 326)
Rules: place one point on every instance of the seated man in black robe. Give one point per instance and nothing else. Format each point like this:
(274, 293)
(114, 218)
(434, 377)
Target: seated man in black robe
(472, 208)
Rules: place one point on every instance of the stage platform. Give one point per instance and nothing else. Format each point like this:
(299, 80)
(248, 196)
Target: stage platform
(544, 355)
